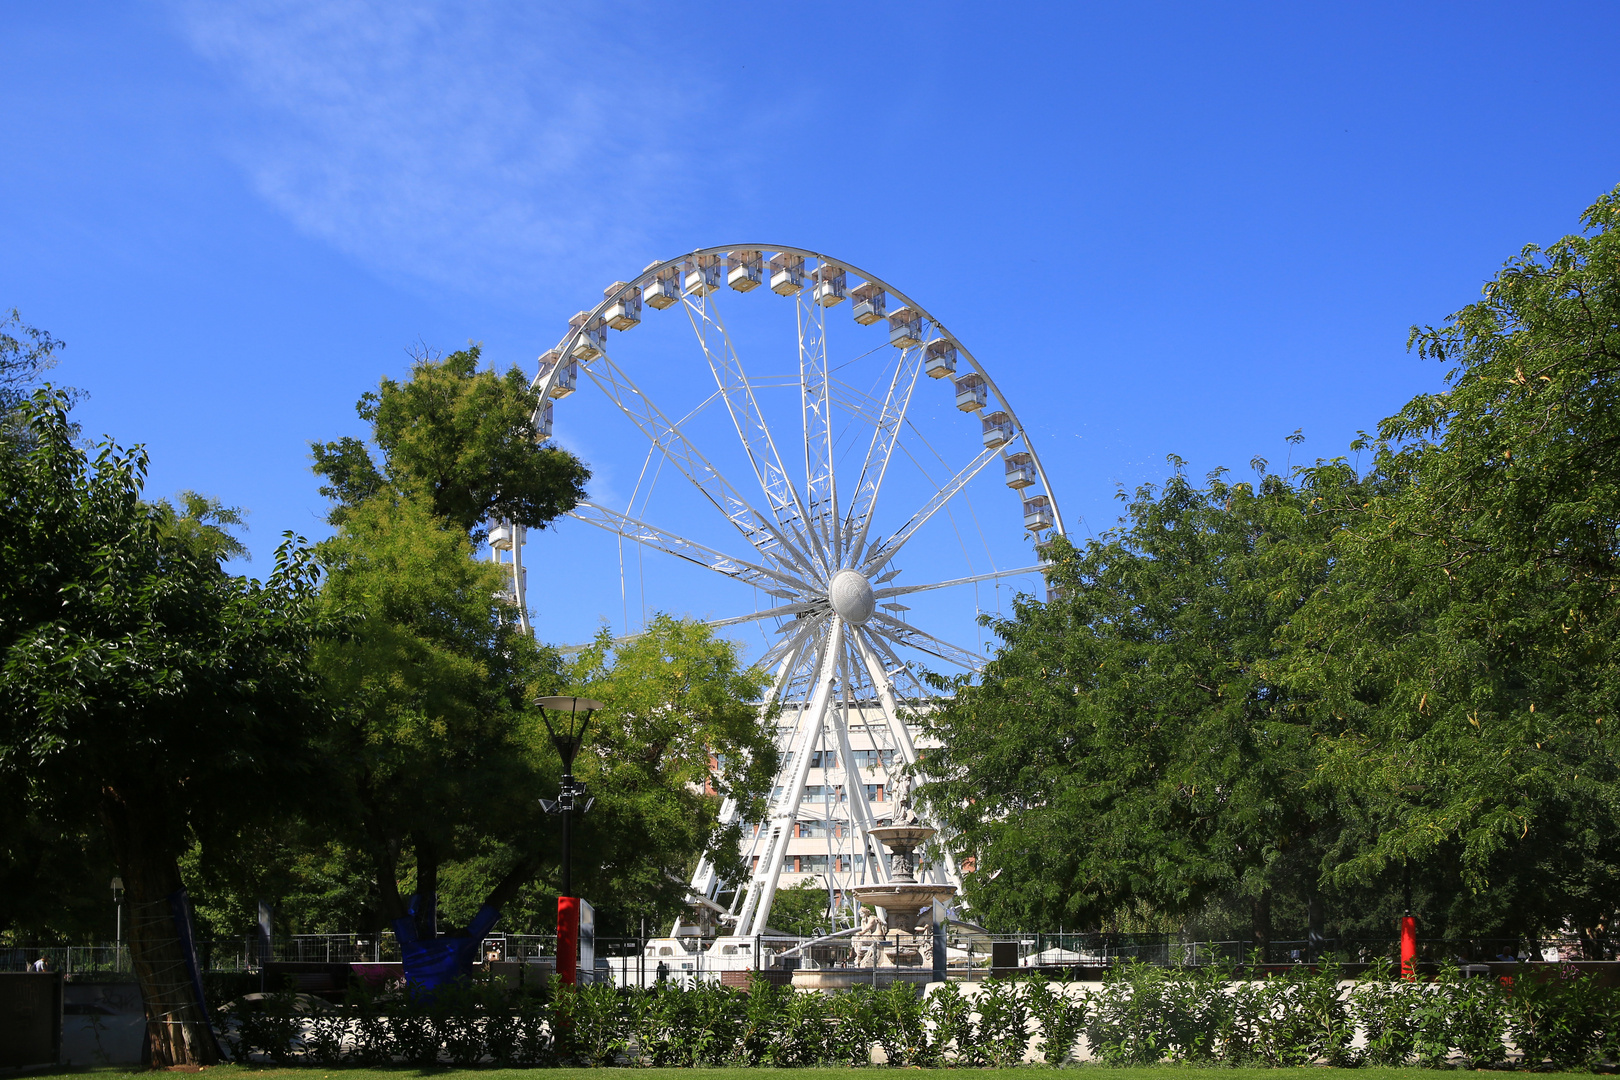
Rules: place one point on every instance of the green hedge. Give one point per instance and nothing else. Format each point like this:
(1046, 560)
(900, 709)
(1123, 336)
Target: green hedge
(1140, 1015)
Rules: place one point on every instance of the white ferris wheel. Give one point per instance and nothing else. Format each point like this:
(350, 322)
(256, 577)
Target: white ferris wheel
(836, 489)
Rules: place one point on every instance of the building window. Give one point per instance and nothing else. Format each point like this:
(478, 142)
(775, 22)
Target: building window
(817, 829)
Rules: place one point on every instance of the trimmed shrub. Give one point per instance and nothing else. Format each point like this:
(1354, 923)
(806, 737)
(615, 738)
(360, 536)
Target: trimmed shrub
(1140, 1015)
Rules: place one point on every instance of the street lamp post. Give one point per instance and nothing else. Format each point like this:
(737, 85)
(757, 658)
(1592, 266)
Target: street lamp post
(566, 719)
(118, 932)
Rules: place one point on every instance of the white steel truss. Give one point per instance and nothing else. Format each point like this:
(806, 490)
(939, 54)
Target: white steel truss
(846, 700)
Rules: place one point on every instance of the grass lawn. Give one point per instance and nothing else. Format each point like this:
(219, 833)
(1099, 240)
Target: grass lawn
(251, 1072)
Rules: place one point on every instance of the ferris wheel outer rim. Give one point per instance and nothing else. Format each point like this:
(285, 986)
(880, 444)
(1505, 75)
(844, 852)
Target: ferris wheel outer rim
(565, 346)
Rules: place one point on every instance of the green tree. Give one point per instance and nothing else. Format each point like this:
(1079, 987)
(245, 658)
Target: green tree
(1466, 652)
(681, 733)
(437, 739)
(1400, 682)
(434, 678)
(802, 909)
(448, 758)
(26, 353)
(460, 439)
(1127, 745)
(144, 685)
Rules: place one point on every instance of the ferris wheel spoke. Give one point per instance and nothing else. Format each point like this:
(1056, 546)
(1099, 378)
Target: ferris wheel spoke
(882, 552)
(820, 480)
(747, 417)
(764, 578)
(883, 686)
(759, 530)
(909, 635)
(856, 402)
(884, 435)
(795, 643)
(902, 590)
(770, 613)
(854, 783)
(891, 667)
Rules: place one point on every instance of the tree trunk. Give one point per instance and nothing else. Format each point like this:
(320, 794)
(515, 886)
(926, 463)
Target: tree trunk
(1260, 910)
(1316, 941)
(385, 857)
(427, 891)
(517, 877)
(177, 1028)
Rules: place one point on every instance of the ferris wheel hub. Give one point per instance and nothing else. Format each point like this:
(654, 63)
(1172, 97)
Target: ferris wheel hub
(851, 596)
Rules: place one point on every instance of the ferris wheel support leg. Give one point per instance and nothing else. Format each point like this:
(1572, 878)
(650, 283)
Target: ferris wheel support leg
(762, 889)
(705, 882)
(874, 669)
(863, 819)
(885, 689)
(519, 587)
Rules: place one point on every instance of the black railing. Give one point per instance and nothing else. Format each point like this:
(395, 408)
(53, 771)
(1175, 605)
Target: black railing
(970, 950)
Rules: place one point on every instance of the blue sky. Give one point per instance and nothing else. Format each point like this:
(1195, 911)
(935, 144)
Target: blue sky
(1163, 228)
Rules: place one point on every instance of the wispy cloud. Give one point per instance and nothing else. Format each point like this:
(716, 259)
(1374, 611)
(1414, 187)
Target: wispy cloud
(488, 148)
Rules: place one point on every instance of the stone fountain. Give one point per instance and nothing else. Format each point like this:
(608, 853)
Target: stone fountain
(902, 897)
(892, 948)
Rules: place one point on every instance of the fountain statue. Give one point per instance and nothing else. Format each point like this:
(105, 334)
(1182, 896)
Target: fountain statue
(901, 897)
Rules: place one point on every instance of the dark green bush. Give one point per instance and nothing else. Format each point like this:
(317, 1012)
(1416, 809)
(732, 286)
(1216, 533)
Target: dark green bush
(1139, 1015)
(1563, 1019)
(1060, 1017)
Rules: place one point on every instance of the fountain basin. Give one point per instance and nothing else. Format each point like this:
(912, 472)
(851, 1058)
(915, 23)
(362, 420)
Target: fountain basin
(902, 901)
(902, 837)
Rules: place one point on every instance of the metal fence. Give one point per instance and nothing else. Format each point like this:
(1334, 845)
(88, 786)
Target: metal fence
(1166, 950)
(1061, 950)
(245, 954)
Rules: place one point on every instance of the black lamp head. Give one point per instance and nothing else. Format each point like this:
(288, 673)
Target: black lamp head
(572, 716)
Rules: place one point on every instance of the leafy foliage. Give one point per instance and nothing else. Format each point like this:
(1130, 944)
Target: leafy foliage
(437, 740)
(682, 731)
(1337, 686)
(134, 668)
(459, 439)
(801, 909)
(444, 756)
(1137, 746)
(1138, 1016)
(141, 684)
(1465, 653)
